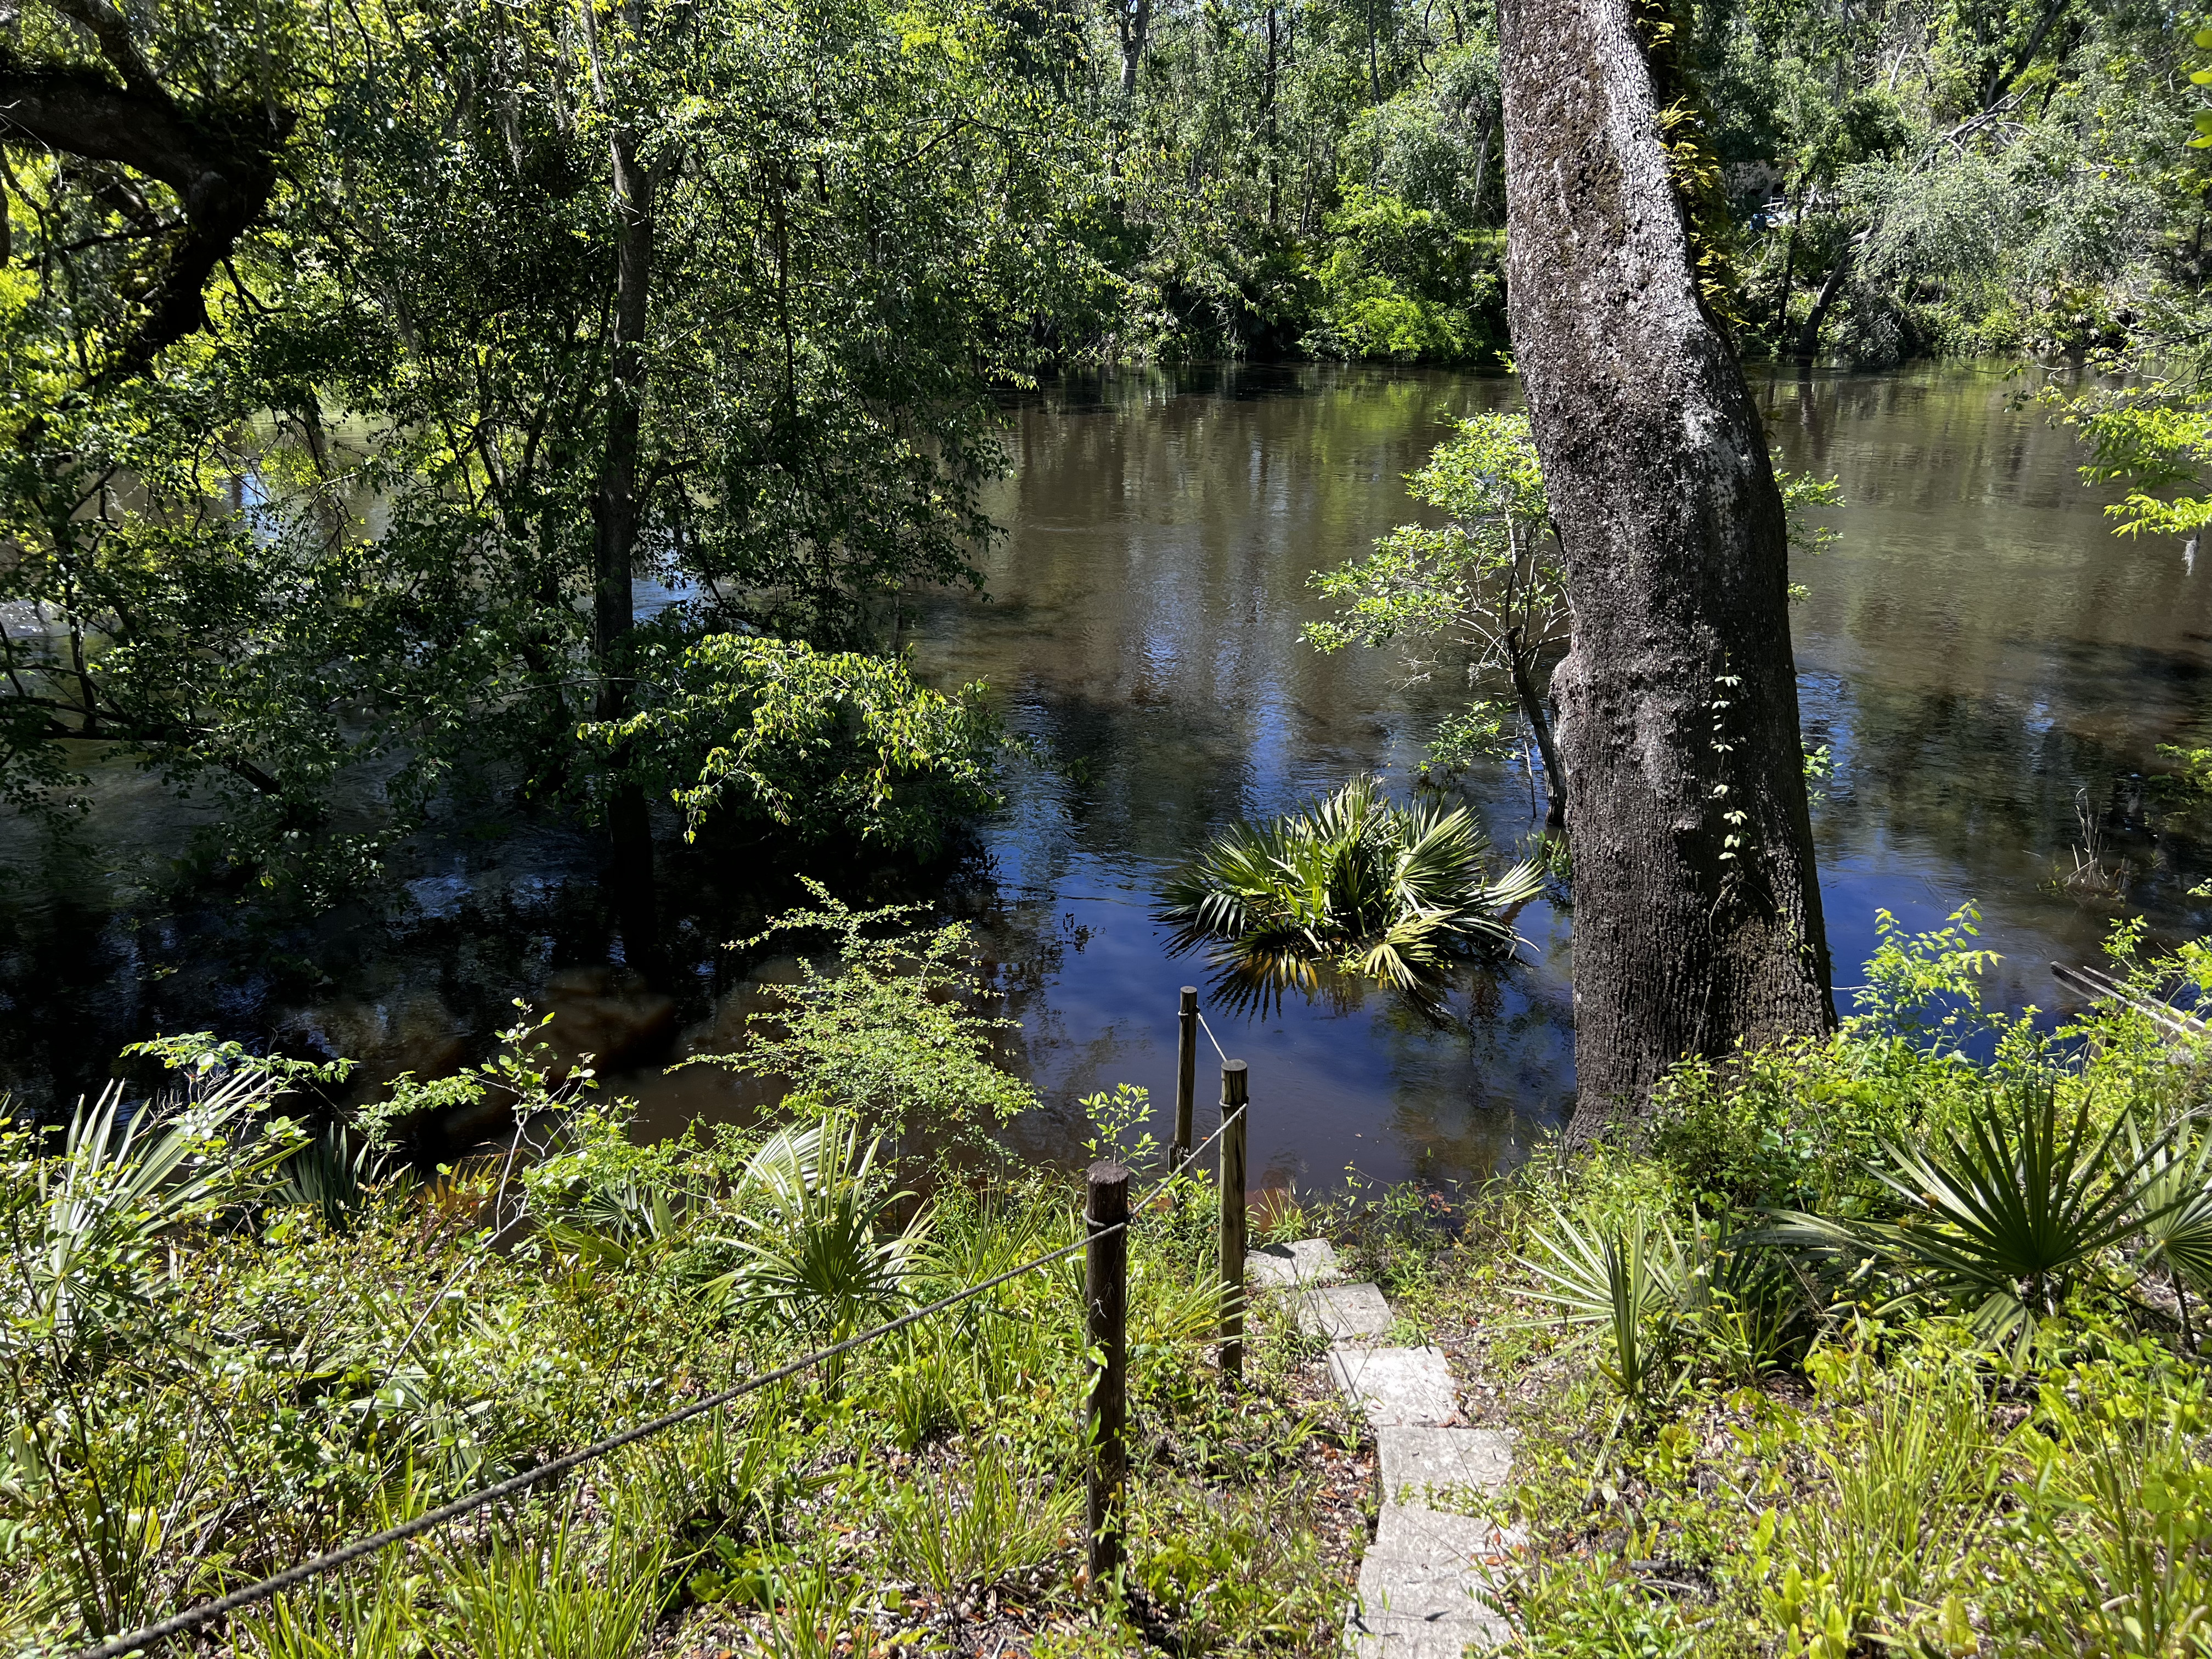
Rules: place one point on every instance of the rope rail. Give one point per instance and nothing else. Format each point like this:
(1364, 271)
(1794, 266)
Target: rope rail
(1191, 1156)
(194, 1617)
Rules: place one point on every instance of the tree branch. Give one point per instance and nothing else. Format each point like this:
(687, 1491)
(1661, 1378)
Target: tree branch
(2001, 81)
(111, 31)
(222, 168)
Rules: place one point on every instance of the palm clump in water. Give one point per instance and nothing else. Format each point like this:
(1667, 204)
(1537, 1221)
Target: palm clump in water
(1354, 883)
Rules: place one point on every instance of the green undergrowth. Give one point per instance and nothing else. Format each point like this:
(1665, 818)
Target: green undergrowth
(1886, 1344)
(231, 1345)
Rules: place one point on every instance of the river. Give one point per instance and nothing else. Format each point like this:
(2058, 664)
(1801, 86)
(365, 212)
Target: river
(1975, 650)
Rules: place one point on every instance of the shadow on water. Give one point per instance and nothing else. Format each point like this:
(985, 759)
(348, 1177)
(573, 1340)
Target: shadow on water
(1975, 652)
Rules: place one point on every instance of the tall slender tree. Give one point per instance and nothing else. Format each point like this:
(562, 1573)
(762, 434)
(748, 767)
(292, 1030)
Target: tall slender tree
(1698, 920)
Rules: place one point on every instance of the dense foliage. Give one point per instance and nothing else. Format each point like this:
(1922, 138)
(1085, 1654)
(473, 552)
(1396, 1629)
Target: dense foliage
(1874, 182)
(1885, 1342)
(544, 306)
(1483, 594)
(217, 1361)
(1888, 1338)
(397, 393)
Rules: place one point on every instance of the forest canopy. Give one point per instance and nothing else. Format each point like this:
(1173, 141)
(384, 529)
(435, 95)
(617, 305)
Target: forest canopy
(428, 391)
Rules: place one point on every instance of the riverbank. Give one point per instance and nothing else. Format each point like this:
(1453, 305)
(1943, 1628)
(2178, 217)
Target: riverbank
(1869, 1348)
(289, 1377)
(1748, 1412)
(236, 1346)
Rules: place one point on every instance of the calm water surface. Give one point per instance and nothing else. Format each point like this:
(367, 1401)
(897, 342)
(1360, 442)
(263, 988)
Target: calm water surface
(1975, 651)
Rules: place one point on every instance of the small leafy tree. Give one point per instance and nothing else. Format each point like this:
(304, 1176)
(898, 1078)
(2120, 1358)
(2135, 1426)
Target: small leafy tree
(886, 1029)
(1489, 586)
(1487, 583)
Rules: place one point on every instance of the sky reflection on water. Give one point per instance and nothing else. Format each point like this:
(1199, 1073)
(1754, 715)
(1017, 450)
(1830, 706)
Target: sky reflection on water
(1976, 650)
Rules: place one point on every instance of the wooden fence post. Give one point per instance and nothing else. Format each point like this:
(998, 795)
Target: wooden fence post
(1186, 1077)
(1106, 1289)
(1233, 1115)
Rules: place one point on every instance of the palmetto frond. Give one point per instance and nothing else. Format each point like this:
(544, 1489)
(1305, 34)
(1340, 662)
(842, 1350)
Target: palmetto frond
(2008, 1216)
(809, 1237)
(2176, 1204)
(1620, 1282)
(1352, 881)
(125, 1179)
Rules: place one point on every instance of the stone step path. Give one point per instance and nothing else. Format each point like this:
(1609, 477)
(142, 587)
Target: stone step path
(1423, 1580)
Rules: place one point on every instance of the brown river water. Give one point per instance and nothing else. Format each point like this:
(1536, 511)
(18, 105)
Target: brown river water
(1976, 651)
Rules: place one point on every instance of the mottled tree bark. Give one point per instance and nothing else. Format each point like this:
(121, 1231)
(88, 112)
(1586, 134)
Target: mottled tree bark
(1697, 909)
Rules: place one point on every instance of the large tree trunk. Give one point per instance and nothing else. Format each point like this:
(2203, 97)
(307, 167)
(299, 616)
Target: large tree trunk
(1697, 910)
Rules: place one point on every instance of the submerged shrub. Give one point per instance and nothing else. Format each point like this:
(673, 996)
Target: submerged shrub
(1354, 883)
(819, 743)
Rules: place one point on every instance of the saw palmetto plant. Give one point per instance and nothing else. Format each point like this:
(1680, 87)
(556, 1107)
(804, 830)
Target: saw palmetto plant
(1354, 883)
(2005, 1219)
(2176, 1207)
(85, 1230)
(1633, 1286)
(815, 1251)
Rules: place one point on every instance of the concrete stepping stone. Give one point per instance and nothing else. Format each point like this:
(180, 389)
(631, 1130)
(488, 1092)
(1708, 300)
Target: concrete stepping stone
(1396, 1386)
(1423, 1585)
(1288, 1266)
(1345, 1313)
(1418, 1461)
